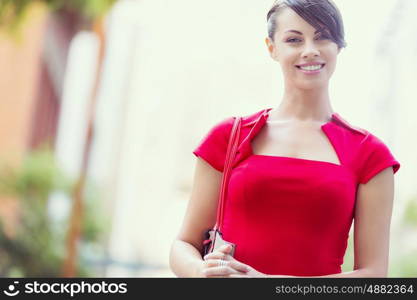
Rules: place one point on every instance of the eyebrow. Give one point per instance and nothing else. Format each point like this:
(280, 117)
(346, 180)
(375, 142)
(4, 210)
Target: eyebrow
(298, 32)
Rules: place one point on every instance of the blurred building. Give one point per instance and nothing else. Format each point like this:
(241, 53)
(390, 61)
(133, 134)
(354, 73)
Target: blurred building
(32, 85)
(30, 102)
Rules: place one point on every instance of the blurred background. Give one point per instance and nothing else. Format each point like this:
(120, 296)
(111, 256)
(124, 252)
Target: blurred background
(103, 101)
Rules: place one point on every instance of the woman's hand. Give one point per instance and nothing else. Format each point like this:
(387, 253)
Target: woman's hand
(220, 263)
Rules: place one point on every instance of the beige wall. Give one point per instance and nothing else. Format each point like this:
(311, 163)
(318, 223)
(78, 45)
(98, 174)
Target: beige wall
(19, 67)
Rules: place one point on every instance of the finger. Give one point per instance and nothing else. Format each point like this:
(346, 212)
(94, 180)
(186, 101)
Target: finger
(215, 258)
(225, 249)
(238, 276)
(238, 266)
(219, 271)
(222, 252)
(216, 255)
(215, 263)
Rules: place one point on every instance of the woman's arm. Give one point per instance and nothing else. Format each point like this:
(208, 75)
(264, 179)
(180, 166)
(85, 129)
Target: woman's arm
(372, 224)
(185, 259)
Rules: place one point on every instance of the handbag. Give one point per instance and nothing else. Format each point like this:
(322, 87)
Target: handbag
(213, 238)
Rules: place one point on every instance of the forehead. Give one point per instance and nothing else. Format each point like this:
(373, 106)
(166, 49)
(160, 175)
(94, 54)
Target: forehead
(287, 19)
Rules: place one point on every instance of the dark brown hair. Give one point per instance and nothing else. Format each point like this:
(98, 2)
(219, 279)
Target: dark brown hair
(323, 15)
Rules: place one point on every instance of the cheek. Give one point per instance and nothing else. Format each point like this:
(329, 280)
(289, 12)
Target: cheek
(288, 67)
(288, 61)
(332, 64)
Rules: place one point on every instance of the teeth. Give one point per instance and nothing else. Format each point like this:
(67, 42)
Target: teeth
(311, 68)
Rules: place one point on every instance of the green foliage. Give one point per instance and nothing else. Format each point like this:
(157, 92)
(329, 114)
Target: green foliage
(12, 12)
(37, 249)
(37, 176)
(406, 266)
(90, 9)
(94, 222)
(410, 216)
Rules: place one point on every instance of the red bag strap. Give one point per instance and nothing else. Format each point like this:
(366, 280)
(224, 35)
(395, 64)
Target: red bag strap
(230, 156)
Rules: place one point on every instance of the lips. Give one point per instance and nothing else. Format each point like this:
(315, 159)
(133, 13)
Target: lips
(310, 64)
(321, 67)
(311, 70)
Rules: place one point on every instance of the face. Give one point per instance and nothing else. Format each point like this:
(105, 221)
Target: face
(297, 43)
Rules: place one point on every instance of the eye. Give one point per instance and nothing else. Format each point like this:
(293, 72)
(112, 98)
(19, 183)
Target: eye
(293, 40)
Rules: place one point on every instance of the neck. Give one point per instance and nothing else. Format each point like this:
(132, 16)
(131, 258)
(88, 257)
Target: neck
(304, 105)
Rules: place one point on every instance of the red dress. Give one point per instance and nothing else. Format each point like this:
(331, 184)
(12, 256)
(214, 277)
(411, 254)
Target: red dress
(292, 216)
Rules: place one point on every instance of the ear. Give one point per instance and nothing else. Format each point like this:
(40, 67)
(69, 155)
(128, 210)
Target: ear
(271, 48)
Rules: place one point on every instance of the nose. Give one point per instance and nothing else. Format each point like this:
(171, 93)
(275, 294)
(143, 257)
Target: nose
(310, 50)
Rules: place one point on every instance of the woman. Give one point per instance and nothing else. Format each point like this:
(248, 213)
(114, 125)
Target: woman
(301, 173)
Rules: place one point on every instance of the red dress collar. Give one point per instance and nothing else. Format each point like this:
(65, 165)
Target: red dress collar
(258, 119)
(252, 124)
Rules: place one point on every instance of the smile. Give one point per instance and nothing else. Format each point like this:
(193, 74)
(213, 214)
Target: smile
(314, 69)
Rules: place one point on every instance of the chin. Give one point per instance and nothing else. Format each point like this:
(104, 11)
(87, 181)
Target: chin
(311, 85)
